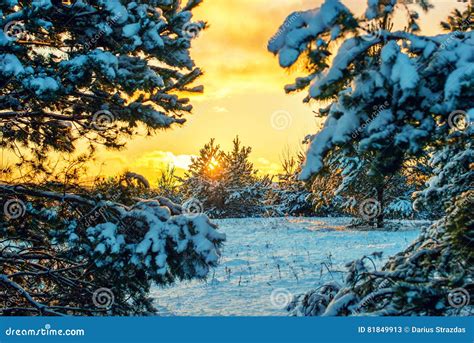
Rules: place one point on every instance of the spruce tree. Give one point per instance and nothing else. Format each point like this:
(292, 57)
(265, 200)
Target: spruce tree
(290, 196)
(428, 84)
(93, 72)
(226, 183)
(388, 98)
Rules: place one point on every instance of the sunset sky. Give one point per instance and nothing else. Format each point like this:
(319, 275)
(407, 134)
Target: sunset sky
(243, 90)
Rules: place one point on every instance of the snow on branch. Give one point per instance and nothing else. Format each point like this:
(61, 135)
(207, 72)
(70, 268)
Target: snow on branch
(88, 242)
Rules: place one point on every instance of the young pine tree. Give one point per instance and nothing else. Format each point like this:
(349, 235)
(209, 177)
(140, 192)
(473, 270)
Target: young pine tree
(290, 196)
(226, 183)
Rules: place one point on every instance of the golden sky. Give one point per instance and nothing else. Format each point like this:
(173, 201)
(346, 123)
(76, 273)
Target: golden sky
(243, 90)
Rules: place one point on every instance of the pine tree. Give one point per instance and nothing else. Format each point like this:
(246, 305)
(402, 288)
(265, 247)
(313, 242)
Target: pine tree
(290, 196)
(346, 186)
(388, 100)
(433, 276)
(120, 65)
(240, 171)
(459, 21)
(168, 185)
(431, 100)
(226, 183)
(247, 192)
(94, 72)
(202, 182)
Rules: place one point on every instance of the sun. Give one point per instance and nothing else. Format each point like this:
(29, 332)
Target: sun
(213, 164)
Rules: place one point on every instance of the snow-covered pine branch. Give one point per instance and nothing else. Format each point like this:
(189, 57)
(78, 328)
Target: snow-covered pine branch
(393, 94)
(70, 245)
(93, 69)
(93, 72)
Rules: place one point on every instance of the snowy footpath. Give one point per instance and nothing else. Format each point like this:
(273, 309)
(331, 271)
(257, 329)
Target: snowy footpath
(266, 261)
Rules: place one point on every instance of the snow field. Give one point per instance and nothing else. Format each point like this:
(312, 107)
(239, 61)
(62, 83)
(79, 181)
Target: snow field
(266, 261)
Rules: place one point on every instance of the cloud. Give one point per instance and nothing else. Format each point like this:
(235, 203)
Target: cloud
(243, 87)
(265, 166)
(148, 164)
(232, 51)
(219, 109)
(160, 159)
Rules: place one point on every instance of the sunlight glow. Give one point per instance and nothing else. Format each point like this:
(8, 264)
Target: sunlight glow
(243, 84)
(213, 164)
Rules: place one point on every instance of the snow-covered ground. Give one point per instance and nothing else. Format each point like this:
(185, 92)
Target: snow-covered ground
(265, 261)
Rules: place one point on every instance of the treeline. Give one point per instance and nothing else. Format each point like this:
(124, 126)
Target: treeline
(225, 184)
